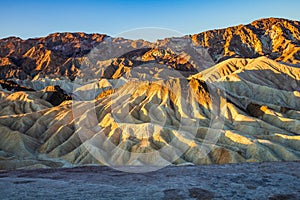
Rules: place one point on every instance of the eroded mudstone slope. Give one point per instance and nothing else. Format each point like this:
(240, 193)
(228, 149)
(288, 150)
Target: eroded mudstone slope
(240, 110)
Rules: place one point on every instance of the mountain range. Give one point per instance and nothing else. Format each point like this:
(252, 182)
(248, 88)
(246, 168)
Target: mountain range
(221, 96)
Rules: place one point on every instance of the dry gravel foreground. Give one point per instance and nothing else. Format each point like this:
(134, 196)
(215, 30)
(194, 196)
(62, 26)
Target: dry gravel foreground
(270, 180)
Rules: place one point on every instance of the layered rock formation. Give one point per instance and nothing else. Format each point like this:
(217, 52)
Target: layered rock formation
(62, 54)
(94, 99)
(54, 54)
(275, 38)
(164, 121)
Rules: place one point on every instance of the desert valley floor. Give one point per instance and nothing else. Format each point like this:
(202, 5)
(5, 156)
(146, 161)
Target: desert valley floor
(73, 103)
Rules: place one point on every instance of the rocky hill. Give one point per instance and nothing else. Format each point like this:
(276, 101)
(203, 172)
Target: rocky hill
(241, 106)
(74, 99)
(62, 54)
(274, 38)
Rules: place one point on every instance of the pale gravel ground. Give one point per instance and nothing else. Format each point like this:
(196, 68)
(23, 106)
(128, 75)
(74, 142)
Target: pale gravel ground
(274, 180)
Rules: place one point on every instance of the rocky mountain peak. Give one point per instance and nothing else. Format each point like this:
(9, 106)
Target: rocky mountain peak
(276, 38)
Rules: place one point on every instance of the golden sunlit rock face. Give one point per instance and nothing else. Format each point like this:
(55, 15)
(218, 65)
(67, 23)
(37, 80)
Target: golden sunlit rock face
(218, 97)
(275, 38)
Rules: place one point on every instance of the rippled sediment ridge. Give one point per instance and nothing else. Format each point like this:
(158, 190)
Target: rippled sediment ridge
(162, 121)
(72, 99)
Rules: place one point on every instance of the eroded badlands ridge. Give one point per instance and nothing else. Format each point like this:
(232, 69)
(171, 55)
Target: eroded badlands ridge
(78, 99)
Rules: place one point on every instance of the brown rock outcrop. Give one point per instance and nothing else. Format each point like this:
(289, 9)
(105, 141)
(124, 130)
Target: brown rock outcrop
(278, 39)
